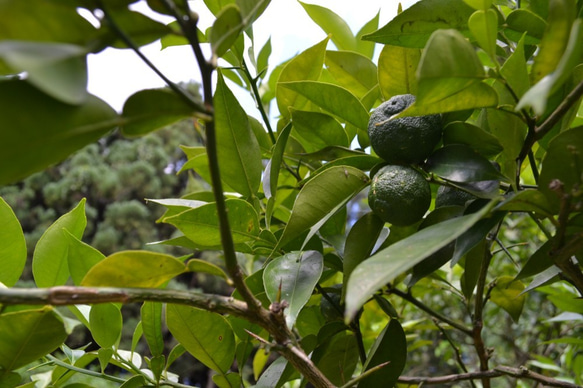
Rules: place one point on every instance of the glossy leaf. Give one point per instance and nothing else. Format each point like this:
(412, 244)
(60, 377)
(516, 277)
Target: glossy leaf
(397, 71)
(27, 146)
(413, 27)
(333, 25)
(562, 162)
(317, 130)
(34, 21)
(360, 241)
(133, 269)
(515, 71)
(334, 99)
(459, 163)
(226, 29)
(205, 335)
(58, 69)
(238, 150)
(472, 136)
(151, 313)
(507, 293)
(390, 347)
(483, 25)
(81, 257)
(151, 109)
(201, 224)
(201, 266)
(320, 199)
(27, 335)
(106, 323)
(521, 21)
(13, 247)
(292, 278)
(49, 261)
(448, 65)
(388, 263)
(305, 66)
(537, 97)
(555, 38)
(352, 71)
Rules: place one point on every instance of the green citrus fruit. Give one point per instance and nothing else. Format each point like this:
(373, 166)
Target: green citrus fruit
(404, 140)
(399, 195)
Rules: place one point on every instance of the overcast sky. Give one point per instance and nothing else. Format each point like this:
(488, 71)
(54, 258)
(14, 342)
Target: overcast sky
(116, 74)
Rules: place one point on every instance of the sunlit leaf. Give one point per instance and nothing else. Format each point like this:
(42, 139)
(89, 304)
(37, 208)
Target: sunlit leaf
(484, 27)
(515, 71)
(28, 335)
(398, 70)
(333, 25)
(381, 268)
(133, 269)
(13, 247)
(201, 266)
(479, 4)
(225, 29)
(292, 278)
(352, 71)
(205, 335)
(414, 26)
(27, 147)
(49, 261)
(507, 294)
(365, 47)
(317, 130)
(81, 257)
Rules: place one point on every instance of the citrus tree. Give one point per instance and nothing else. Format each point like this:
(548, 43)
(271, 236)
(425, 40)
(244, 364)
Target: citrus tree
(476, 279)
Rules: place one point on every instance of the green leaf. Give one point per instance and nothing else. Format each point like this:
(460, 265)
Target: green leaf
(365, 47)
(148, 110)
(384, 266)
(472, 136)
(448, 65)
(49, 260)
(459, 163)
(317, 130)
(515, 71)
(58, 69)
(271, 376)
(333, 25)
(562, 162)
(48, 132)
(252, 9)
(352, 71)
(292, 278)
(305, 66)
(483, 25)
(105, 322)
(528, 201)
(360, 241)
(540, 261)
(27, 335)
(537, 97)
(334, 99)
(205, 335)
(201, 224)
(526, 25)
(238, 150)
(151, 313)
(507, 293)
(271, 176)
(81, 257)
(337, 358)
(225, 29)
(263, 56)
(413, 27)
(141, 29)
(13, 247)
(34, 20)
(133, 269)
(390, 347)
(316, 202)
(201, 266)
(555, 39)
(230, 380)
(397, 71)
(479, 4)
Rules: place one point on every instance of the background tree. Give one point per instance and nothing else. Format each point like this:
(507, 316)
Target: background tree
(485, 291)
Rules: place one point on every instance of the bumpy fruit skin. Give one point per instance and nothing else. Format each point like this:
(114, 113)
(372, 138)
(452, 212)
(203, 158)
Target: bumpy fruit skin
(405, 140)
(399, 195)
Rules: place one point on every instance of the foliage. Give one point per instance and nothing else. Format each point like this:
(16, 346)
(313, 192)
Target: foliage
(487, 291)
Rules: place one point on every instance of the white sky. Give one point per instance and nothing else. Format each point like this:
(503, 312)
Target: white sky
(116, 74)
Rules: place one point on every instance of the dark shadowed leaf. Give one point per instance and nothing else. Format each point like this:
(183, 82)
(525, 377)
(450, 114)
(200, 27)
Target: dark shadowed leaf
(28, 335)
(540, 261)
(48, 132)
(475, 137)
(141, 29)
(13, 247)
(292, 278)
(414, 26)
(205, 335)
(337, 358)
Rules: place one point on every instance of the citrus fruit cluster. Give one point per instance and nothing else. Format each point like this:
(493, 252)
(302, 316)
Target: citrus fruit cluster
(399, 194)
